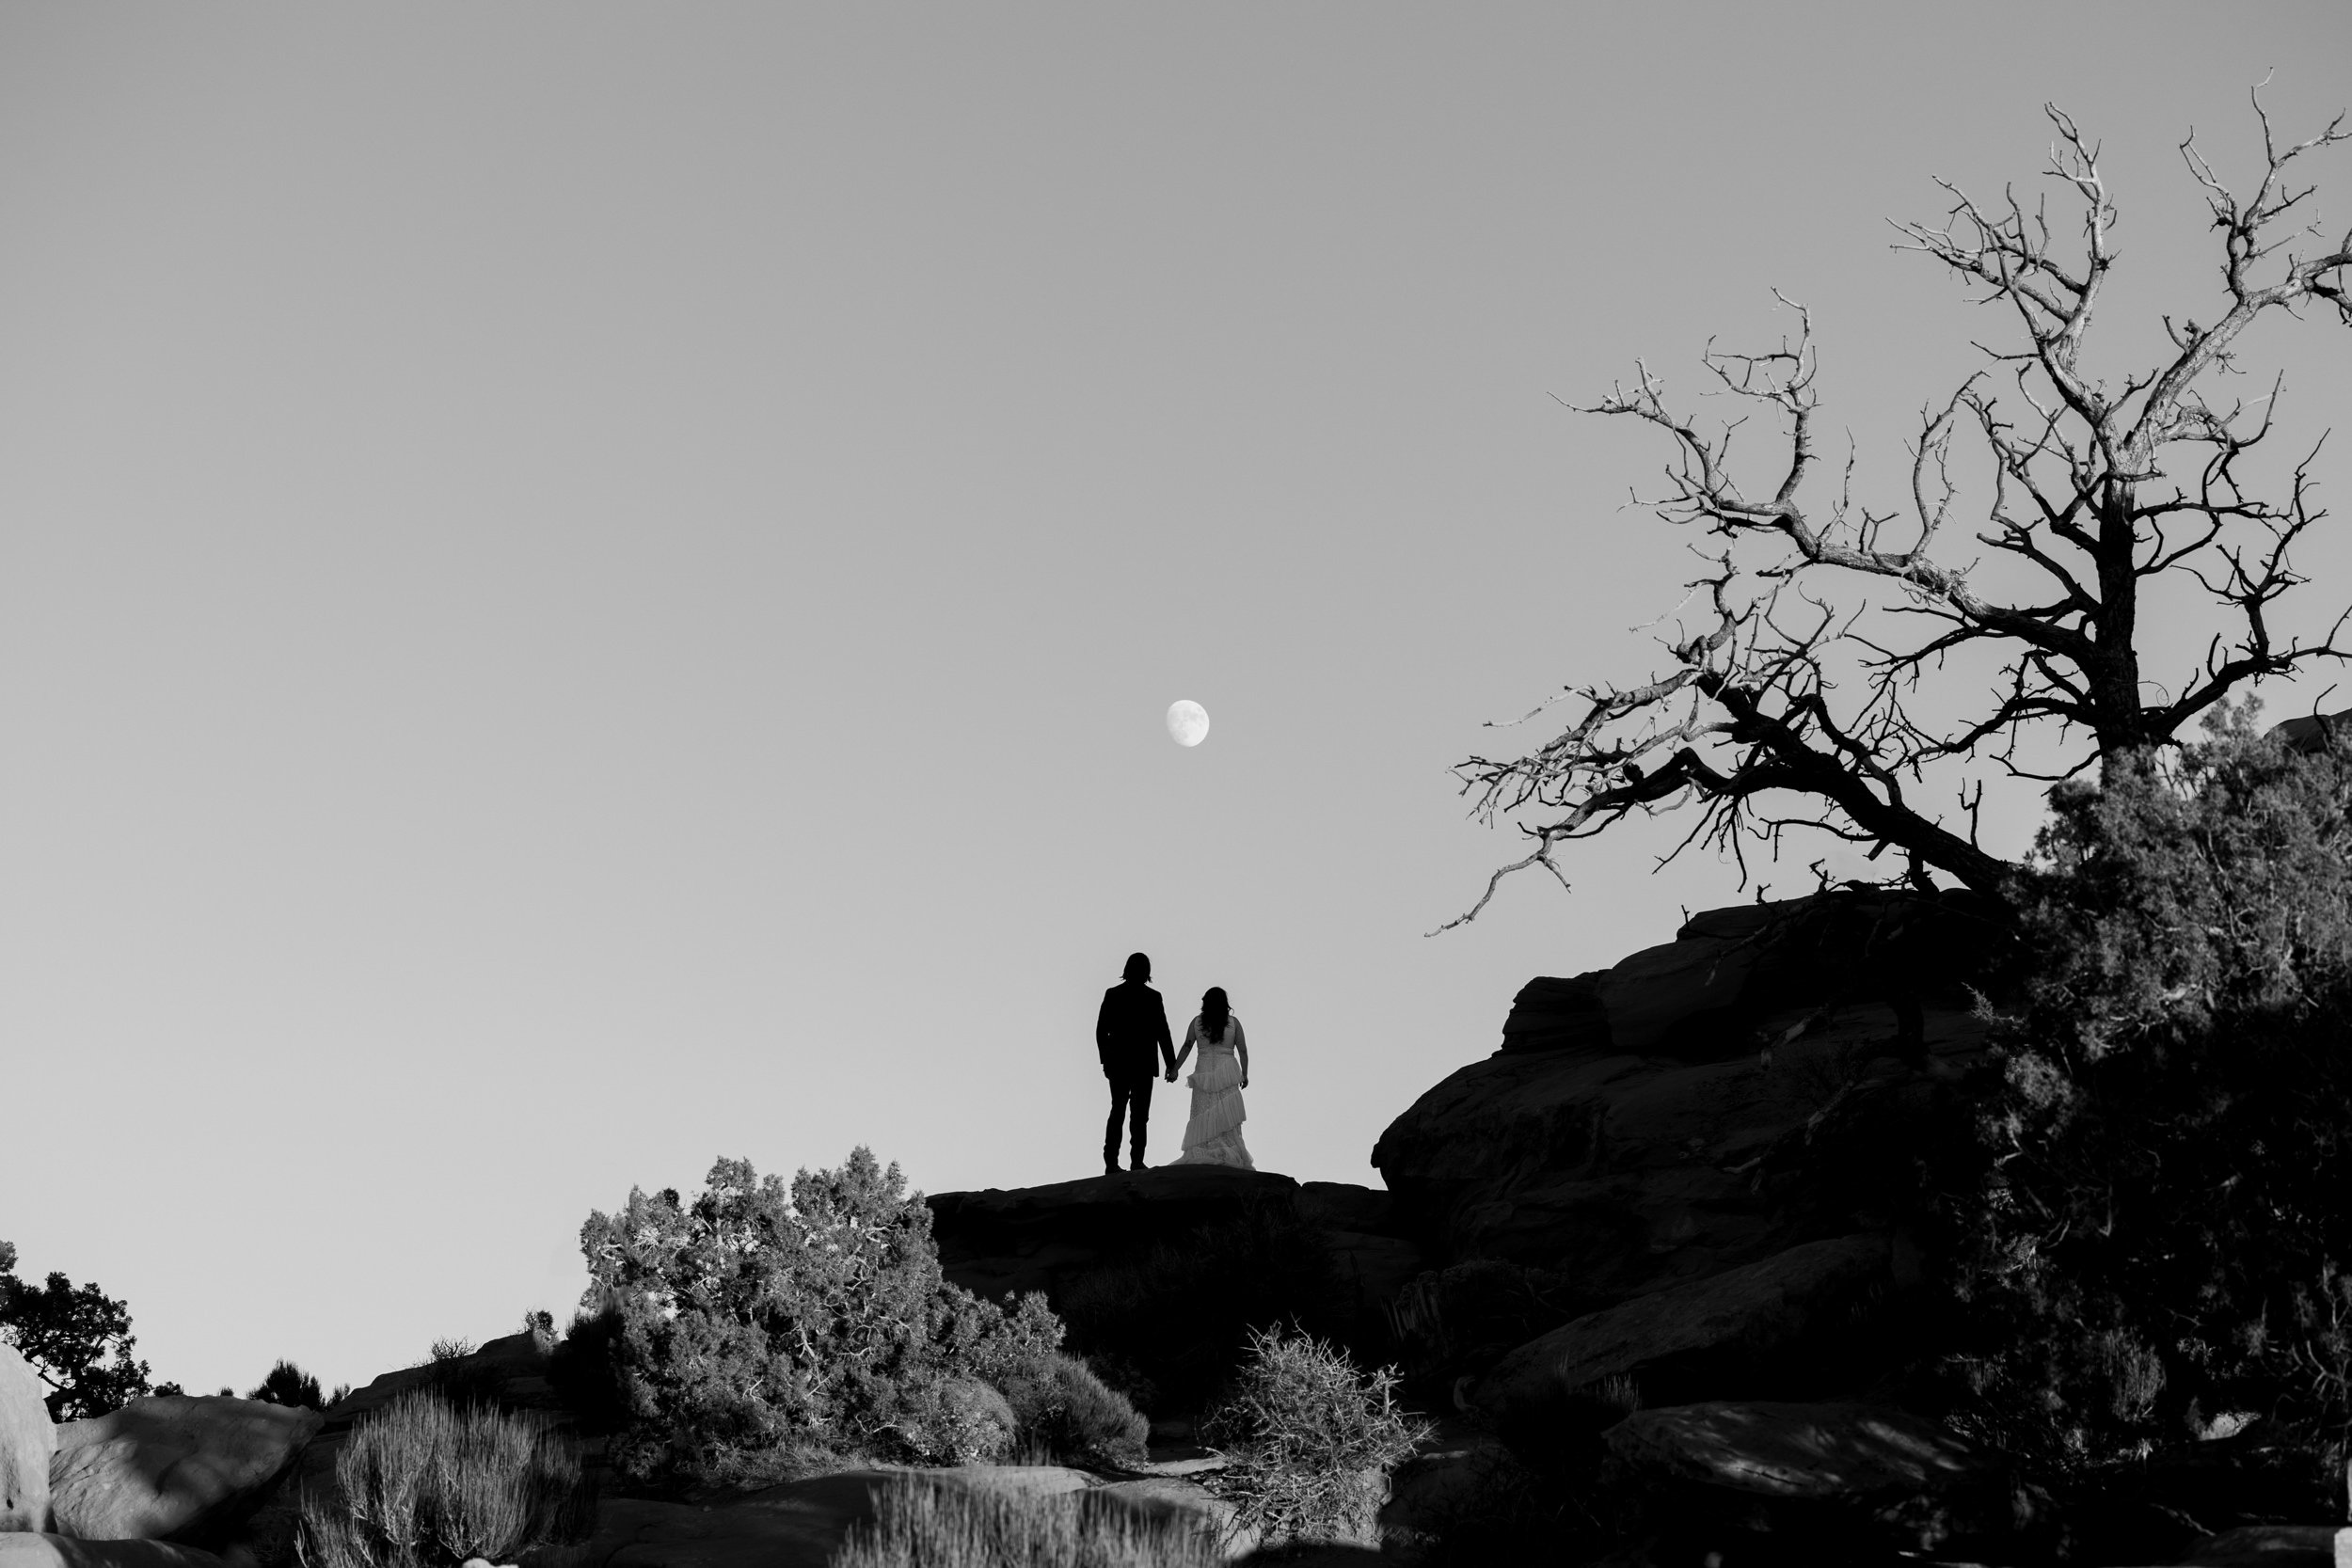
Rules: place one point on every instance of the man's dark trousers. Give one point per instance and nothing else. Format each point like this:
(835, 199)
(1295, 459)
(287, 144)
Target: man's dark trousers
(1131, 1037)
(1131, 1102)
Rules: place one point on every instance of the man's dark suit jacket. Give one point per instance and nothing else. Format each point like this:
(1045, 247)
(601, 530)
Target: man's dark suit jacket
(1132, 1024)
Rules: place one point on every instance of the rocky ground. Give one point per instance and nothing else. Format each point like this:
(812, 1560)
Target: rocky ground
(1656, 1265)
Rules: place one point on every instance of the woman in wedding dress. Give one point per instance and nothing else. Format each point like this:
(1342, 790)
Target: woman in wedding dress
(1212, 1136)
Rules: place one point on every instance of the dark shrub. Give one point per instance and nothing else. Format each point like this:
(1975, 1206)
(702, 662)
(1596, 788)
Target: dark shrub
(424, 1485)
(289, 1385)
(2158, 1249)
(1178, 1320)
(759, 1329)
(585, 1372)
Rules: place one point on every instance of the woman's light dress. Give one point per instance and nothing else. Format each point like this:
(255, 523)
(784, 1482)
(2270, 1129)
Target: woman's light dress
(1212, 1136)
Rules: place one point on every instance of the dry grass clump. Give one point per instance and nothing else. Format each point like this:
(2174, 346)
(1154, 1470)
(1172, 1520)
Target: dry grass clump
(919, 1524)
(423, 1484)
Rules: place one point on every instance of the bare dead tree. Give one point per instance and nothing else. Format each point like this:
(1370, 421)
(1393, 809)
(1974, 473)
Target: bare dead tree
(1750, 722)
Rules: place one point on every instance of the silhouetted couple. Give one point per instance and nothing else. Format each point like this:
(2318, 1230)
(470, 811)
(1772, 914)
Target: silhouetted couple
(1131, 1035)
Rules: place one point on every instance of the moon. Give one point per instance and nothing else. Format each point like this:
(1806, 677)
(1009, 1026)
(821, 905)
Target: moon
(1187, 721)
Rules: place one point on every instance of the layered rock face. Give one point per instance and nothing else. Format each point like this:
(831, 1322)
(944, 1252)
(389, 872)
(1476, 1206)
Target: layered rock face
(1685, 1181)
(1664, 1119)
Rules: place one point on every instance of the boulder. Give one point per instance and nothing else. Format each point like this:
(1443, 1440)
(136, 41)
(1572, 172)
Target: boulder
(35, 1550)
(1651, 995)
(1733, 1332)
(1551, 1014)
(2273, 1546)
(2311, 732)
(172, 1465)
(1881, 1469)
(27, 1439)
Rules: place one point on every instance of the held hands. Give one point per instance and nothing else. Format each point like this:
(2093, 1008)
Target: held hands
(1171, 1075)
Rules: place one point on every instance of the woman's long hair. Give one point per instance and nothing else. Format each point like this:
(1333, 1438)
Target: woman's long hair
(1214, 1012)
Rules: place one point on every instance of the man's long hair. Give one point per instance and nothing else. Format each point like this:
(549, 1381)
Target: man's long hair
(1214, 1013)
(1138, 968)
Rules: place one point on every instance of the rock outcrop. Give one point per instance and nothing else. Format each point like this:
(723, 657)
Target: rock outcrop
(1023, 1239)
(33, 1549)
(1743, 1331)
(27, 1438)
(172, 1467)
(1067, 1238)
(1827, 1469)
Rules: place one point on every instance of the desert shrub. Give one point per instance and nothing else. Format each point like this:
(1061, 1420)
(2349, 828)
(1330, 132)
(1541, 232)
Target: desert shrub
(2159, 1236)
(289, 1385)
(1308, 1440)
(919, 1524)
(761, 1326)
(78, 1340)
(1065, 1414)
(1172, 1323)
(422, 1484)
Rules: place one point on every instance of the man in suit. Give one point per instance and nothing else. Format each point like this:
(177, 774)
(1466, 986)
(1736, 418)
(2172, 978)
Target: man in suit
(1133, 1021)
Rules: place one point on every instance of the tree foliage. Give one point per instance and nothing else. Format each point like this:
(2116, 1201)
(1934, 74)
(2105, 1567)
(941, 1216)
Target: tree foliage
(2161, 1240)
(1793, 695)
(759, 1321)
(289, 1385)
(77, 1340)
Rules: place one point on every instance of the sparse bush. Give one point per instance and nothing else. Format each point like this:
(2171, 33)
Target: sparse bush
(424, 1485)
(289, 1385)
(759, 1324)
(1309, 1441)
(920, 1524)
(1179, 1317)
(2158, 1231)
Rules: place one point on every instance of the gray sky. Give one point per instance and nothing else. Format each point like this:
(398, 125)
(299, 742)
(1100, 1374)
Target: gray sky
(586, 588)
